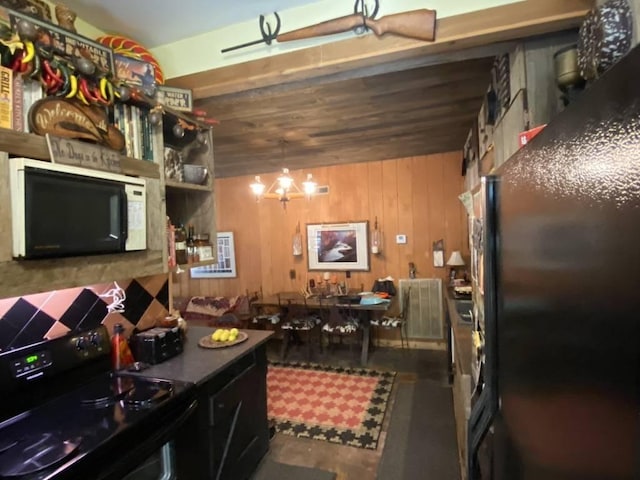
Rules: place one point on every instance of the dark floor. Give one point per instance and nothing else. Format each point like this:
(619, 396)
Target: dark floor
(418, 439)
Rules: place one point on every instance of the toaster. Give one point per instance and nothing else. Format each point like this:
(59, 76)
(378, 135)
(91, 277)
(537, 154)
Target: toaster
(156, 345)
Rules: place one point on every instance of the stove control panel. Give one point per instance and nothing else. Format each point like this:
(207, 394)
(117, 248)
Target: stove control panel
(41, 370)
(31, 363)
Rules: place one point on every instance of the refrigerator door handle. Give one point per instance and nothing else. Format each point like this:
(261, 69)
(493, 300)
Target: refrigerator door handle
(479, 423)
(486, 408)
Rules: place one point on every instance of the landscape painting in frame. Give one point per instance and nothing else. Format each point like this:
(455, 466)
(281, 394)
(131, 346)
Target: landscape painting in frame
(338, 246)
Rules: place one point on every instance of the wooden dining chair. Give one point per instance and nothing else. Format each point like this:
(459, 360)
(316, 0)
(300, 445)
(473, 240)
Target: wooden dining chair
(297, 322)
(397, 321)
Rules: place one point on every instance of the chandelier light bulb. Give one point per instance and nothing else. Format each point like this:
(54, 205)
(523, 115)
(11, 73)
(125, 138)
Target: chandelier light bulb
(309, 185)
(257, 187)
(285, 179)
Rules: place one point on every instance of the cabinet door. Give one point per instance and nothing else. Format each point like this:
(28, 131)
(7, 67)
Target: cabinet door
(239, 435)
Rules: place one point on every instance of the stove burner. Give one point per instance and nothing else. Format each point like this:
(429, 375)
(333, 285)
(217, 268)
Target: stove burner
(6, 444)
(134, 394)
(145, 395)
(33, 453)
(106, 394)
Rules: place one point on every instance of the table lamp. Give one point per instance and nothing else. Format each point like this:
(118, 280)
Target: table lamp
(455, 260)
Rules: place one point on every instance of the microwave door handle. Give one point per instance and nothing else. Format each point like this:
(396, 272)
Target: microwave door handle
(125, 216)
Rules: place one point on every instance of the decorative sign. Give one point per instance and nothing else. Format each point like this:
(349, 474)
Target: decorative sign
(176, 98)
(438, 253)
(64, 117)
(63, 42)
(81, 154)
(134, 71)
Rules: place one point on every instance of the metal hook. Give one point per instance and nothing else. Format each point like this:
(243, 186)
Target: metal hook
(267, 35)
(360, 7)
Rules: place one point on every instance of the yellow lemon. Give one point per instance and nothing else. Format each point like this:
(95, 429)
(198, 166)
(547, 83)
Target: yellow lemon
(215, 336)
(225, 336)
(234, 331)
(232, 337)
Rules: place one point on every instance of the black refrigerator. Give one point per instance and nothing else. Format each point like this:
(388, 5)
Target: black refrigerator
(558, 253)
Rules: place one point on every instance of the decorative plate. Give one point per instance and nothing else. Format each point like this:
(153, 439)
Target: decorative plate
(130, 48)
(206, 342)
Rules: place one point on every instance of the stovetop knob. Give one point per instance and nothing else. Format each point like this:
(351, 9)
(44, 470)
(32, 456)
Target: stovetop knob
(95, 339)
(81, 343)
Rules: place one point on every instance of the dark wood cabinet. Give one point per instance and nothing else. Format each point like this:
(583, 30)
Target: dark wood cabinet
(229, 433)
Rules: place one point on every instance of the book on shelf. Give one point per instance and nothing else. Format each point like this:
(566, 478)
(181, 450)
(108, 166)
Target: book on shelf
(18, 117)
(6, 97)
(32, 92)
(133, 122)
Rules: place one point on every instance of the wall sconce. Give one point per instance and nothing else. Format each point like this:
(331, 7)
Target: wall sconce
(376, 239)
(455, 260)
(297, 241)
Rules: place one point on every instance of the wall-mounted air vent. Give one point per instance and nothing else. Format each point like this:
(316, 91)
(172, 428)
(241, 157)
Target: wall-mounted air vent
(322, 190)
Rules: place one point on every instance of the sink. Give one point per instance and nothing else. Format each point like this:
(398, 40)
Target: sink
(463, 307)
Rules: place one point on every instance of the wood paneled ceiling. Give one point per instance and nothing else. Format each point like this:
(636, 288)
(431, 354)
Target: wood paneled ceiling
(391, 115)
(366, 98)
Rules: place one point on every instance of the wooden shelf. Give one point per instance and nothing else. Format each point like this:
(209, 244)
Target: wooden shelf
(187, 186)
(29, 145)
(139, 96)
(21, 277)
(187, 266)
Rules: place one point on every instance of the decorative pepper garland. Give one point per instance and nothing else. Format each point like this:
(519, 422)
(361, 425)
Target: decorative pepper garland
(69, 77)
(78, 77)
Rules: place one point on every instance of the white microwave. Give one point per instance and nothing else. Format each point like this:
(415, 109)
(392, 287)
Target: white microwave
(62, 210)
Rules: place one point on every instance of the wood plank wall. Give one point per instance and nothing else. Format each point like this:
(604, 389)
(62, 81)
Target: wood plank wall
(415, 196)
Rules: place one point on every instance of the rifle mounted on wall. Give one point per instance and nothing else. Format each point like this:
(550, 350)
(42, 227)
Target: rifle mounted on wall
(417, 24)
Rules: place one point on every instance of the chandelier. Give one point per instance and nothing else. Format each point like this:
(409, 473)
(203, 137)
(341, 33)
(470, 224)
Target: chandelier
(283, 188)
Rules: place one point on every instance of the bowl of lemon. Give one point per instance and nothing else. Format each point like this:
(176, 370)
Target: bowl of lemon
(223, 337)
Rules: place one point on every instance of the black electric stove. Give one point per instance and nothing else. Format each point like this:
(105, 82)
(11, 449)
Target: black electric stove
(66, 415)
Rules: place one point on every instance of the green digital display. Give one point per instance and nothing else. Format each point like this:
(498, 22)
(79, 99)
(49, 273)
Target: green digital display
(32, 358)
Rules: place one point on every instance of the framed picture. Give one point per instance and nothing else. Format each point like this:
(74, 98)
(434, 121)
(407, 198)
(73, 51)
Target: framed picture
(338, 246)
(226, 256)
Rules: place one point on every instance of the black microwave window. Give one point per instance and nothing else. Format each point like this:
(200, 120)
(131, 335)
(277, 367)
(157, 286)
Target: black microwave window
(70, 214)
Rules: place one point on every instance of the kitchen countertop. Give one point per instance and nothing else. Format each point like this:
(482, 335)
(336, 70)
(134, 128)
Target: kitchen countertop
(461, 336)
(198, 365)
(462, 383)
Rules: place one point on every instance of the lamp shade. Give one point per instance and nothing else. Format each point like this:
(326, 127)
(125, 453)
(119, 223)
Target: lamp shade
(455, 259)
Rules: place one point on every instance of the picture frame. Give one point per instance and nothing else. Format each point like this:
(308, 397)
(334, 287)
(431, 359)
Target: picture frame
(226, 260)
(338, 246)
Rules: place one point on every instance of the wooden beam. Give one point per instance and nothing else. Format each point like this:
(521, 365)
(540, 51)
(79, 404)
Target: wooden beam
(453, 34)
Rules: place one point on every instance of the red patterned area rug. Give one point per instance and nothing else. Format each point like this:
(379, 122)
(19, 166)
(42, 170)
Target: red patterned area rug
(335, 404)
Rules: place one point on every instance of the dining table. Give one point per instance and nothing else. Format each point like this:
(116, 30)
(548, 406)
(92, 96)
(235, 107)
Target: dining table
(365, 310)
